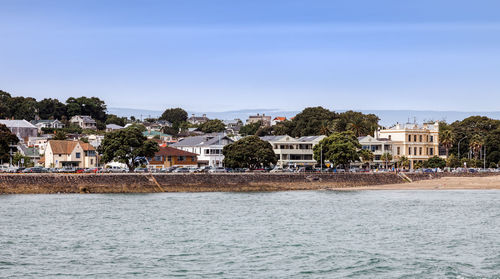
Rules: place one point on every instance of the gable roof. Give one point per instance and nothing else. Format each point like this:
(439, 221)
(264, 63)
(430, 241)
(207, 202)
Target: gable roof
(67, 146)
(114, 127)
(17, 124)
(204, 140)
(170, 151)
(280, 118)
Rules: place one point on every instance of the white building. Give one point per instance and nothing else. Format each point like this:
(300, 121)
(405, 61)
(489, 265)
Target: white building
(39, 142)
(55, 124)
(84, 121)
(294, 151)
(21, 128)
(264, 119)
(378, 147)
(208, 147)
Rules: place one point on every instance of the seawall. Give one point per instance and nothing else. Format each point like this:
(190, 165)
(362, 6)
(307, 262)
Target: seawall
(151, 183)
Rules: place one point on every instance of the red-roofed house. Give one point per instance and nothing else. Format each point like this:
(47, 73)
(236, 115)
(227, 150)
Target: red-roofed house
(169, 157)
(278, 120)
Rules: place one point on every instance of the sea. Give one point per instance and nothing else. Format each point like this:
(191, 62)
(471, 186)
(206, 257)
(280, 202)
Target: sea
(298, 234)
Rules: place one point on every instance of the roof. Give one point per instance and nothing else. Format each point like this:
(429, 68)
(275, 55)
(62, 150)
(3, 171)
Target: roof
(17, 124)
(279, 118)
(170, 151)
(67, 146)
(85, 118)
(114, 127)
(292, 139)
(311, 138)
(204, 140)
(154, 133)
(44, 121)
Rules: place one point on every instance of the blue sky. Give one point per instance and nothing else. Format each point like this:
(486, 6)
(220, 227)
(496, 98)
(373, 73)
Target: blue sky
(216, 55)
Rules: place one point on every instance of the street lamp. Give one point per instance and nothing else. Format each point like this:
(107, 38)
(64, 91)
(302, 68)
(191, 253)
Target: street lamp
(459, 147)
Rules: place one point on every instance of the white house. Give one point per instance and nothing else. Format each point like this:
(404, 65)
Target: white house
(292, 151)
(84, 121)
(55, 124)
(208, 147)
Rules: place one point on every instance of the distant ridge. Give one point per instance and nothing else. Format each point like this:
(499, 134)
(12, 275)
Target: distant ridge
(387, 117)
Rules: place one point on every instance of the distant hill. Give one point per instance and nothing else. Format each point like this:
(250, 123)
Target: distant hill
(387, 117)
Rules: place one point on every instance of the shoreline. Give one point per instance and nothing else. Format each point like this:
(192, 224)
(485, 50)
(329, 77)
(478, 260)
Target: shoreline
(252, 182)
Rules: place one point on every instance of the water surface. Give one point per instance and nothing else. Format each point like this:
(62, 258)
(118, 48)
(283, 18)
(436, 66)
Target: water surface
(325, 234)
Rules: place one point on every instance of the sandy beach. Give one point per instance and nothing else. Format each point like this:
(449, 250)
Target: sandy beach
(444, 183)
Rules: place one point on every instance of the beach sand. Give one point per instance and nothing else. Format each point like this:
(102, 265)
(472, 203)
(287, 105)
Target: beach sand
(445, 183)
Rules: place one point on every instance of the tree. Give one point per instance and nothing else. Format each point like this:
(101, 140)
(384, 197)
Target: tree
(282, 128)
(21, 160)
(366, 156)
(51, 109)
(175, 116)
(212, 126)
(250, 129)
(452, 161)
(435, 162)
(7, 139)
(476, 144)
(447, 138)
(94, 107)
(5, 99)
(249, 152)
(403, 162)
(386, 157)
(113, 119)
(338, 148)
(23, 108)
(310, 122)
(361, 124)
(60, 135)
(127, 146)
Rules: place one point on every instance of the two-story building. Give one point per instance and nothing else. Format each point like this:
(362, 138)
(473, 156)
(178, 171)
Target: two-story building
(378, 146)
(21, 128)
(169, 157)
(417, 142)
(54, 124)
(84, 121)
(69, 153)
(293, 152)
(264, 119)
(208, 147)
(197, 120)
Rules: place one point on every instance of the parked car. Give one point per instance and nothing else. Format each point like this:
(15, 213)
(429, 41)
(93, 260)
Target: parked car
(141, 170)
(68, 170)
(218, 170)
(181, 170)
(35, 170)
(116, 170)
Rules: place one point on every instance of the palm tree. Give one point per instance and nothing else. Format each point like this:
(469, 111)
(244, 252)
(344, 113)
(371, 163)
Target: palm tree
(404, 162)
(356, 125)
(447, 137)
(366, 156)
(386, 157)
(476, 144)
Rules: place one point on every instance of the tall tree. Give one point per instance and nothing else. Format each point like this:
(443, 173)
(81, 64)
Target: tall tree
(446, 137)
(250, 129)
(310, 121)
(386, 157)
(51, 109)
(339, 148)
(7, 138)
(212, 126)
(249, 152)
(92, 106)
(175, 116)
(403, 162)
(127, 146)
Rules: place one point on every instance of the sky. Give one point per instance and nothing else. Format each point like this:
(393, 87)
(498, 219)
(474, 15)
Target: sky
(219, 55)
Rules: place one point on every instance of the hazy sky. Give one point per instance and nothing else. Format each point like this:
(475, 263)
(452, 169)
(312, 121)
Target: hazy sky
(215, 55)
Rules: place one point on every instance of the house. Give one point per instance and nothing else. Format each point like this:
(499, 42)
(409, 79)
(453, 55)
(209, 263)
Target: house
(113, 127)
(233, 126)
(21, 128)
(265, 120)
(39, 142)
(378, 146)
(54, 124)
(169, 157)
(95, 140)
(196, 120)
(277, 120)
(158, 125)
(69, 153)
(417, 142)
(208, 147)
(292, 151)
(84, 121)
(30, 152)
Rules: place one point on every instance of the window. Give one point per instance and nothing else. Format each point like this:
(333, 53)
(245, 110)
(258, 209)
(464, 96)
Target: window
(420, 138)
(399, 150)
(182, 158)
(78, 155)
(389, 137)
(409, 137)
(432, 139)
(431, 151)
(420, 151)
(415, 138)
(409, 150)
(158, 158)
(169, 158)
(193, 158)
(91, 161)
(415, 151)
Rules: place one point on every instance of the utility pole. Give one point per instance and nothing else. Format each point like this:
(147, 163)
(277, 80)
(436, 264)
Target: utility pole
(321, 160)
(459, 147)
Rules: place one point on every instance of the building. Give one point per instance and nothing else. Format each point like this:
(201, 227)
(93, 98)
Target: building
(377, 146)
(39, 142)
(293, 152)
(277, 120)
(265, 120)
(233, 126)
(113, 127)
(95, 140)
(69, 153)
(54, 124)
(84, 121)
(169, 157)
(155, 134)
(417, 142)
(21, 128)
(196, 120)
(208, 147)
(30, 152)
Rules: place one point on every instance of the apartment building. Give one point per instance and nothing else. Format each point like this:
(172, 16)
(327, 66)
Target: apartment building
(69, 153)
(292, 152)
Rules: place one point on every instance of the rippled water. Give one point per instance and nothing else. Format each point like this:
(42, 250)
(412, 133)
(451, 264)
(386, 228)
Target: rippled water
(367, 234)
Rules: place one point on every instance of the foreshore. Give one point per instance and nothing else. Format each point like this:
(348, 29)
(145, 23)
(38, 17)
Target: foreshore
(245, 182)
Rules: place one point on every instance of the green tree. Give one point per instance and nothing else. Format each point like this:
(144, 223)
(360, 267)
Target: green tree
(476, 144)
(93, 106)
(51, 109)
(5, 99)
(113, 119)
(446, 137)
(435, 162)
(404, 162)
(452, 161)
(357, 122)
(386, 157)
(7, 138)
(249, 152)
(282, 128)
(339, 148)
(175, 116)
(23, 108)
(310, 122)
(250, 129)
(127, 146)
(21, 160)
(212, 126)
(60, 135)
(366, 156)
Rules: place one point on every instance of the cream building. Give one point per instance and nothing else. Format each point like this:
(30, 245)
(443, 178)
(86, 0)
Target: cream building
(417, 142)
(69, 153)
(294, 151)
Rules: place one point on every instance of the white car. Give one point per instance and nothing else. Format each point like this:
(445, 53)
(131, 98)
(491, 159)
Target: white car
(217, 170)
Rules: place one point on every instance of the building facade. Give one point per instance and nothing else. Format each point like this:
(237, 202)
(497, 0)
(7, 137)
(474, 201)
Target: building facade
(69, 153)
(54, 124)
(293, 152)
(169, 157)
(265, 119)
(207, 147)
(378, 147)
(84, 121)
(416, 142)
(21, 128)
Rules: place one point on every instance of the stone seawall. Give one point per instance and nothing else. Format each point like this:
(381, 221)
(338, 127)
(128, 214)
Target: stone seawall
(150, 183)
